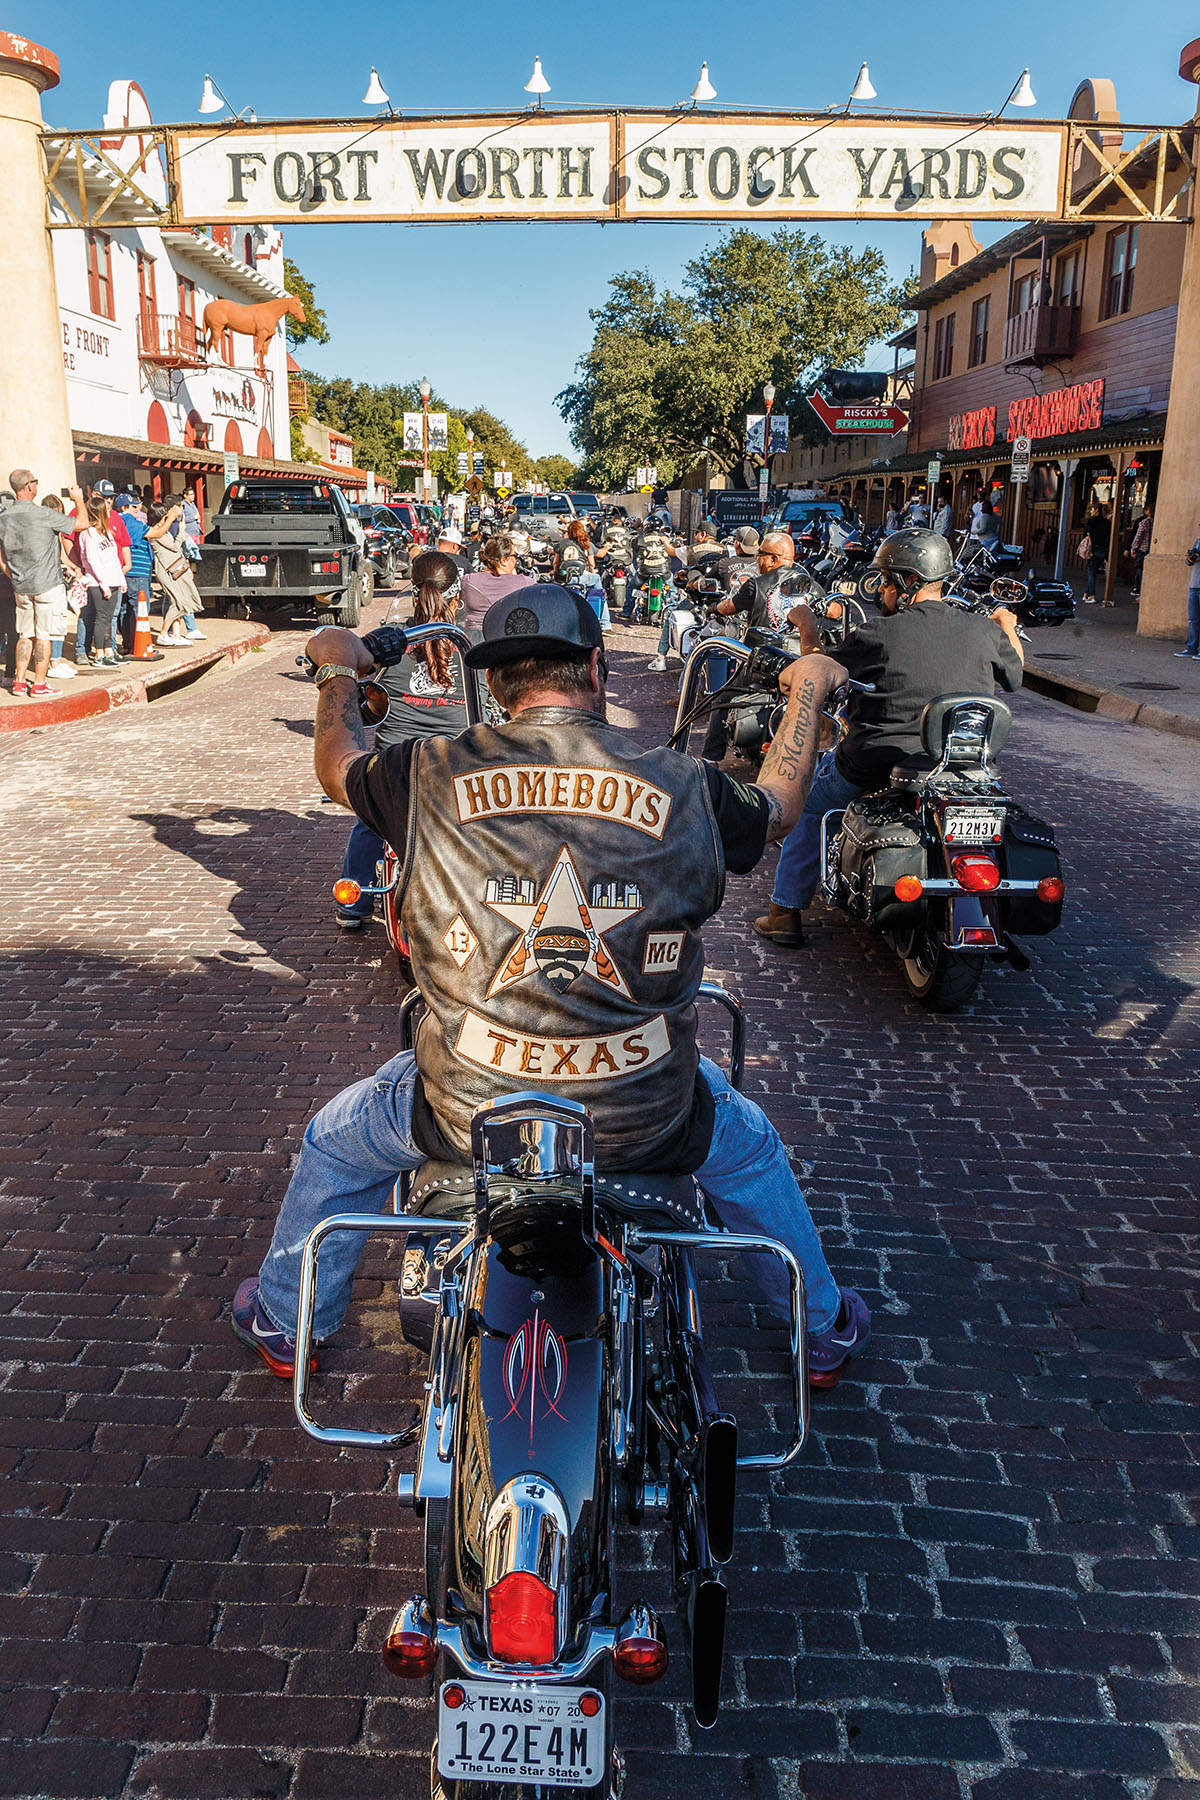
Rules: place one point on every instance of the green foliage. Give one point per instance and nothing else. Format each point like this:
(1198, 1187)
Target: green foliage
(314, 330)
(557, 472)
(668, 371)
(300, 450)
(374, 418)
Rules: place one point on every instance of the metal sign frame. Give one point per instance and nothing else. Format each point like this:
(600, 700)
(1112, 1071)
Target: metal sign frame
(79, 161)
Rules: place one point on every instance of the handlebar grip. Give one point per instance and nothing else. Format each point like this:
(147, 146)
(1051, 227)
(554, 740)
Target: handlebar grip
(387, 644)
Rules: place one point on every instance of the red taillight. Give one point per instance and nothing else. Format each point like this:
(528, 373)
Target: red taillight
(410, 1654)
(640, 1659)
(590, 1704)
(521, 1619)
(975, 874)
(909, 887)
(1050, 888)
(453, 1696)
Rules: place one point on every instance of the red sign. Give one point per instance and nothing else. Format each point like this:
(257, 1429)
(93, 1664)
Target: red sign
(871, 416)
(1058, 413)
(973, 430)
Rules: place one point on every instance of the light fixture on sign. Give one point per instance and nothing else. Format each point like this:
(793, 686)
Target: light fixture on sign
(1022, 94)
(212, 100)
(704, 89)
(376, 94)
(862, 89)
(537, 83)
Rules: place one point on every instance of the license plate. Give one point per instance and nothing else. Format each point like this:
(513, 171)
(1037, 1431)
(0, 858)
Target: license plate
(517, 1731)
(845, 587)
(973, 825)
(253, 571)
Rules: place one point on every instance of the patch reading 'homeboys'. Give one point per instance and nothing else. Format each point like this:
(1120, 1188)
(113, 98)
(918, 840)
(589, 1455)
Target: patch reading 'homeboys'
(592, 793)
(566, 1059)
(562, 928)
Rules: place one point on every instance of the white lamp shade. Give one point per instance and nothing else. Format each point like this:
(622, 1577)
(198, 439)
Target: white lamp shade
(376, 94)
(862, 89)
(769, 393)
(537, 83)
(210, 100)
(1024, 95)
(424, 388)
(704, 89)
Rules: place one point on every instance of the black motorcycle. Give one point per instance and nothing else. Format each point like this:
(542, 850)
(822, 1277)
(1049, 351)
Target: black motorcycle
(943, 863)
(568, 1392)
(994, 569)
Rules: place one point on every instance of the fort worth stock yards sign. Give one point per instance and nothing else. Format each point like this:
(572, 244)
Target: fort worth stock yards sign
(617, 166)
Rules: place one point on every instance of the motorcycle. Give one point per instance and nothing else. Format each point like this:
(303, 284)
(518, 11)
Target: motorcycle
(1036, 600)
(943, 863)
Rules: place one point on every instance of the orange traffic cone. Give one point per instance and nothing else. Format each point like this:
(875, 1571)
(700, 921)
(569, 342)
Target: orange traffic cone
(143, 637)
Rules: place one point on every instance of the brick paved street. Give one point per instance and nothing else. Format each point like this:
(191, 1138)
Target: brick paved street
(980, 1583)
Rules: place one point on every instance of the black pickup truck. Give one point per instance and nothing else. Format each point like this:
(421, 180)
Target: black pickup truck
(288, 546)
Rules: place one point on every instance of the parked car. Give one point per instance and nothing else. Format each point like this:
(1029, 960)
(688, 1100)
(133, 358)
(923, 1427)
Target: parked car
(410, 512)
(288, 546)
(795, 516)
(387, 540)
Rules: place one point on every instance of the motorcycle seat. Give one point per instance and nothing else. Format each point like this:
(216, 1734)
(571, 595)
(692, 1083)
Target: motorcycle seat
(447, 1191)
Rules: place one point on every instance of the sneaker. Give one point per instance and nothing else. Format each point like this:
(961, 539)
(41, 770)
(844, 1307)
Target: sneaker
(43, 691)
(62, 671)
(1189, 653)
(657, 663)
(198, 637)
(252, 1327)
(21, 688)
(1089, 599)
(162, 638)
(830, 1350)
(350, 921)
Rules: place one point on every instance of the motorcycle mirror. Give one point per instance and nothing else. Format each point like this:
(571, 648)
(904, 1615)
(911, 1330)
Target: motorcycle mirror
(373, 703)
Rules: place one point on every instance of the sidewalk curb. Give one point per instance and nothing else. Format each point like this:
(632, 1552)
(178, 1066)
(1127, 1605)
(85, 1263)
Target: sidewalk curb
(1086, 697)
(133, 691)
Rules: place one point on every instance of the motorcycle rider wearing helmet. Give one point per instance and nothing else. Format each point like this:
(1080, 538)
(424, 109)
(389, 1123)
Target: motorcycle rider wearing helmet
(554, 882)
(921, 647)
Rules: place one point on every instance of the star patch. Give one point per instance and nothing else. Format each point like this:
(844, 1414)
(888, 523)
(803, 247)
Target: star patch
(562, 929)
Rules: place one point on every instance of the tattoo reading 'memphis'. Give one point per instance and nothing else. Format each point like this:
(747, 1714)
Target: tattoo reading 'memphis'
(787, 756)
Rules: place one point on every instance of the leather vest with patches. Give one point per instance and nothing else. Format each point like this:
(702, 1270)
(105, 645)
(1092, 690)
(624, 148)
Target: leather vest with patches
(555, 882)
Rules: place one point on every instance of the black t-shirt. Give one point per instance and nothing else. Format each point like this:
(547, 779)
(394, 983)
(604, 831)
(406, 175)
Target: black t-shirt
(420, 707)
(377, 787)
(911, 657)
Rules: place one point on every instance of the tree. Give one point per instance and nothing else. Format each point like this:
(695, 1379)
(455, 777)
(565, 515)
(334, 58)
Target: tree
(556, 472)
(670, 376)
(313, 329)
(374, 418)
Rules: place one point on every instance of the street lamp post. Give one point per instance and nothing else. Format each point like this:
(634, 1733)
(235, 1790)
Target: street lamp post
(426, 390)
(764, 472)
(470, 453)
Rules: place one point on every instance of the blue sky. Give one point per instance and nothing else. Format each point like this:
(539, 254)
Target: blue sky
(496, 315)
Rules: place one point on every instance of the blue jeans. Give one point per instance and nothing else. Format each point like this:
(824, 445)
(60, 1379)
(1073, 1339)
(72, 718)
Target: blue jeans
(363, 851)
(1193, 641)
(356, 1146)
(799, 869)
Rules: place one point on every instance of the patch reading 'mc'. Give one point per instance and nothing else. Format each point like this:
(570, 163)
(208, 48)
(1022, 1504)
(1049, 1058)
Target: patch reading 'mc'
(662, 952)
(591, 793)
(567, 1059)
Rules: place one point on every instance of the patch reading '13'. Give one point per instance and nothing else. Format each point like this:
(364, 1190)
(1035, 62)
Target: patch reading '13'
(591, 793)
(566, 1059)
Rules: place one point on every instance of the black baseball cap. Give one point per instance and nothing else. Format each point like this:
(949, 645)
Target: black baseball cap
(540, 620)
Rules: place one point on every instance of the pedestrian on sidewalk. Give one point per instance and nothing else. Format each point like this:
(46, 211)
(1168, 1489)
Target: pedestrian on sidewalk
(104, 572)
(1095, 542)
(141, 562)
(1192, 647)
(29, 556)
(1140, 549)
(65, 617)
(173, 572)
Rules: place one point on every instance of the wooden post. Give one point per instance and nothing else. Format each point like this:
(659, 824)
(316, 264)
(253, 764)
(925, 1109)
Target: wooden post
(1114, 532)
(1163, 611)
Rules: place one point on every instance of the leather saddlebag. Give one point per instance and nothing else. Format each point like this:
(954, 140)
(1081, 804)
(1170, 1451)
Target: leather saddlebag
(1030, 853)
(881, 842)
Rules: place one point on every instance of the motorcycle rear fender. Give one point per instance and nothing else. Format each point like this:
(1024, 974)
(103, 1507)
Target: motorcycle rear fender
(533, 1398)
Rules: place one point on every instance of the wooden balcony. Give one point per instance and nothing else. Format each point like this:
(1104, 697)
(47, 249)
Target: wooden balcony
(170, 341)
(1042, 334)
(297, 393)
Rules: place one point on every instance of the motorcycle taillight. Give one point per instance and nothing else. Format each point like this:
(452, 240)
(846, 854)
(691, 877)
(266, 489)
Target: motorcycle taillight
(521, 1619)
(975, 874)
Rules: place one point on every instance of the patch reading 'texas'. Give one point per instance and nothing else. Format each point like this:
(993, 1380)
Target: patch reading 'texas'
(593, 793)
(562, 1059)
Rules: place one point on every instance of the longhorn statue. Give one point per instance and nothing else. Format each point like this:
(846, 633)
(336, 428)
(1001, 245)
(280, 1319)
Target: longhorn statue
(258, 322)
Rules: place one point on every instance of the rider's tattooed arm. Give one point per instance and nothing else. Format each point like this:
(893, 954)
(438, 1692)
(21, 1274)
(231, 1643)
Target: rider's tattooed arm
(338, 737)
(774, 815)
(787, 771)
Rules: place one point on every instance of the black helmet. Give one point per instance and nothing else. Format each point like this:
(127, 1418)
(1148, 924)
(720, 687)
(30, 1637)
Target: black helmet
(921, 555)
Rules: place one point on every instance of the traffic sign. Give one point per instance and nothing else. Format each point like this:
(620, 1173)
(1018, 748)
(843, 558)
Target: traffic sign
(1020, 459)
(933, 473)
(474, 485)
(882, 416)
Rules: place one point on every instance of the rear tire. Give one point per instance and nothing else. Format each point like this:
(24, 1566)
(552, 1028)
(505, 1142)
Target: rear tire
(350, 610)
(940, 979)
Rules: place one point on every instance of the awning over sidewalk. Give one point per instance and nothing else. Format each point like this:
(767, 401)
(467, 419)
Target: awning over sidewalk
(1123, 434)
(97, 446)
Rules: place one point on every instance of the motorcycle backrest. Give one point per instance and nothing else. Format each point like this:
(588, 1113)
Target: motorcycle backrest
(965, 728)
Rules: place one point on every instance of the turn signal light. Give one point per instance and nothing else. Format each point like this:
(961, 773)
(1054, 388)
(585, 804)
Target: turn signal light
(640, 1652)
(909, 887)
(975, 874)
(1050, 888)
(521, 1619)
(346, 892)
(410, 1649)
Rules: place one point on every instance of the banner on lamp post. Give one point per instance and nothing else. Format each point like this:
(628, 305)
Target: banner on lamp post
(414, 437)
(439, 432)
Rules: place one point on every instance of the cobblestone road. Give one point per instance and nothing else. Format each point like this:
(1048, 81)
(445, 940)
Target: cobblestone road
(981, 1582)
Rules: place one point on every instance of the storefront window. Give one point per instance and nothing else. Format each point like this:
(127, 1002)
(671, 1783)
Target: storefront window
(1068, 279)
(1120, 261)
(99, 270)
(943, 347)
(980, 314)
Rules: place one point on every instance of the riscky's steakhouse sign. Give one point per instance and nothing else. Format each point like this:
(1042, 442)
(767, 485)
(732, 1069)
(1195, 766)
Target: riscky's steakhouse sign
(616, 166)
